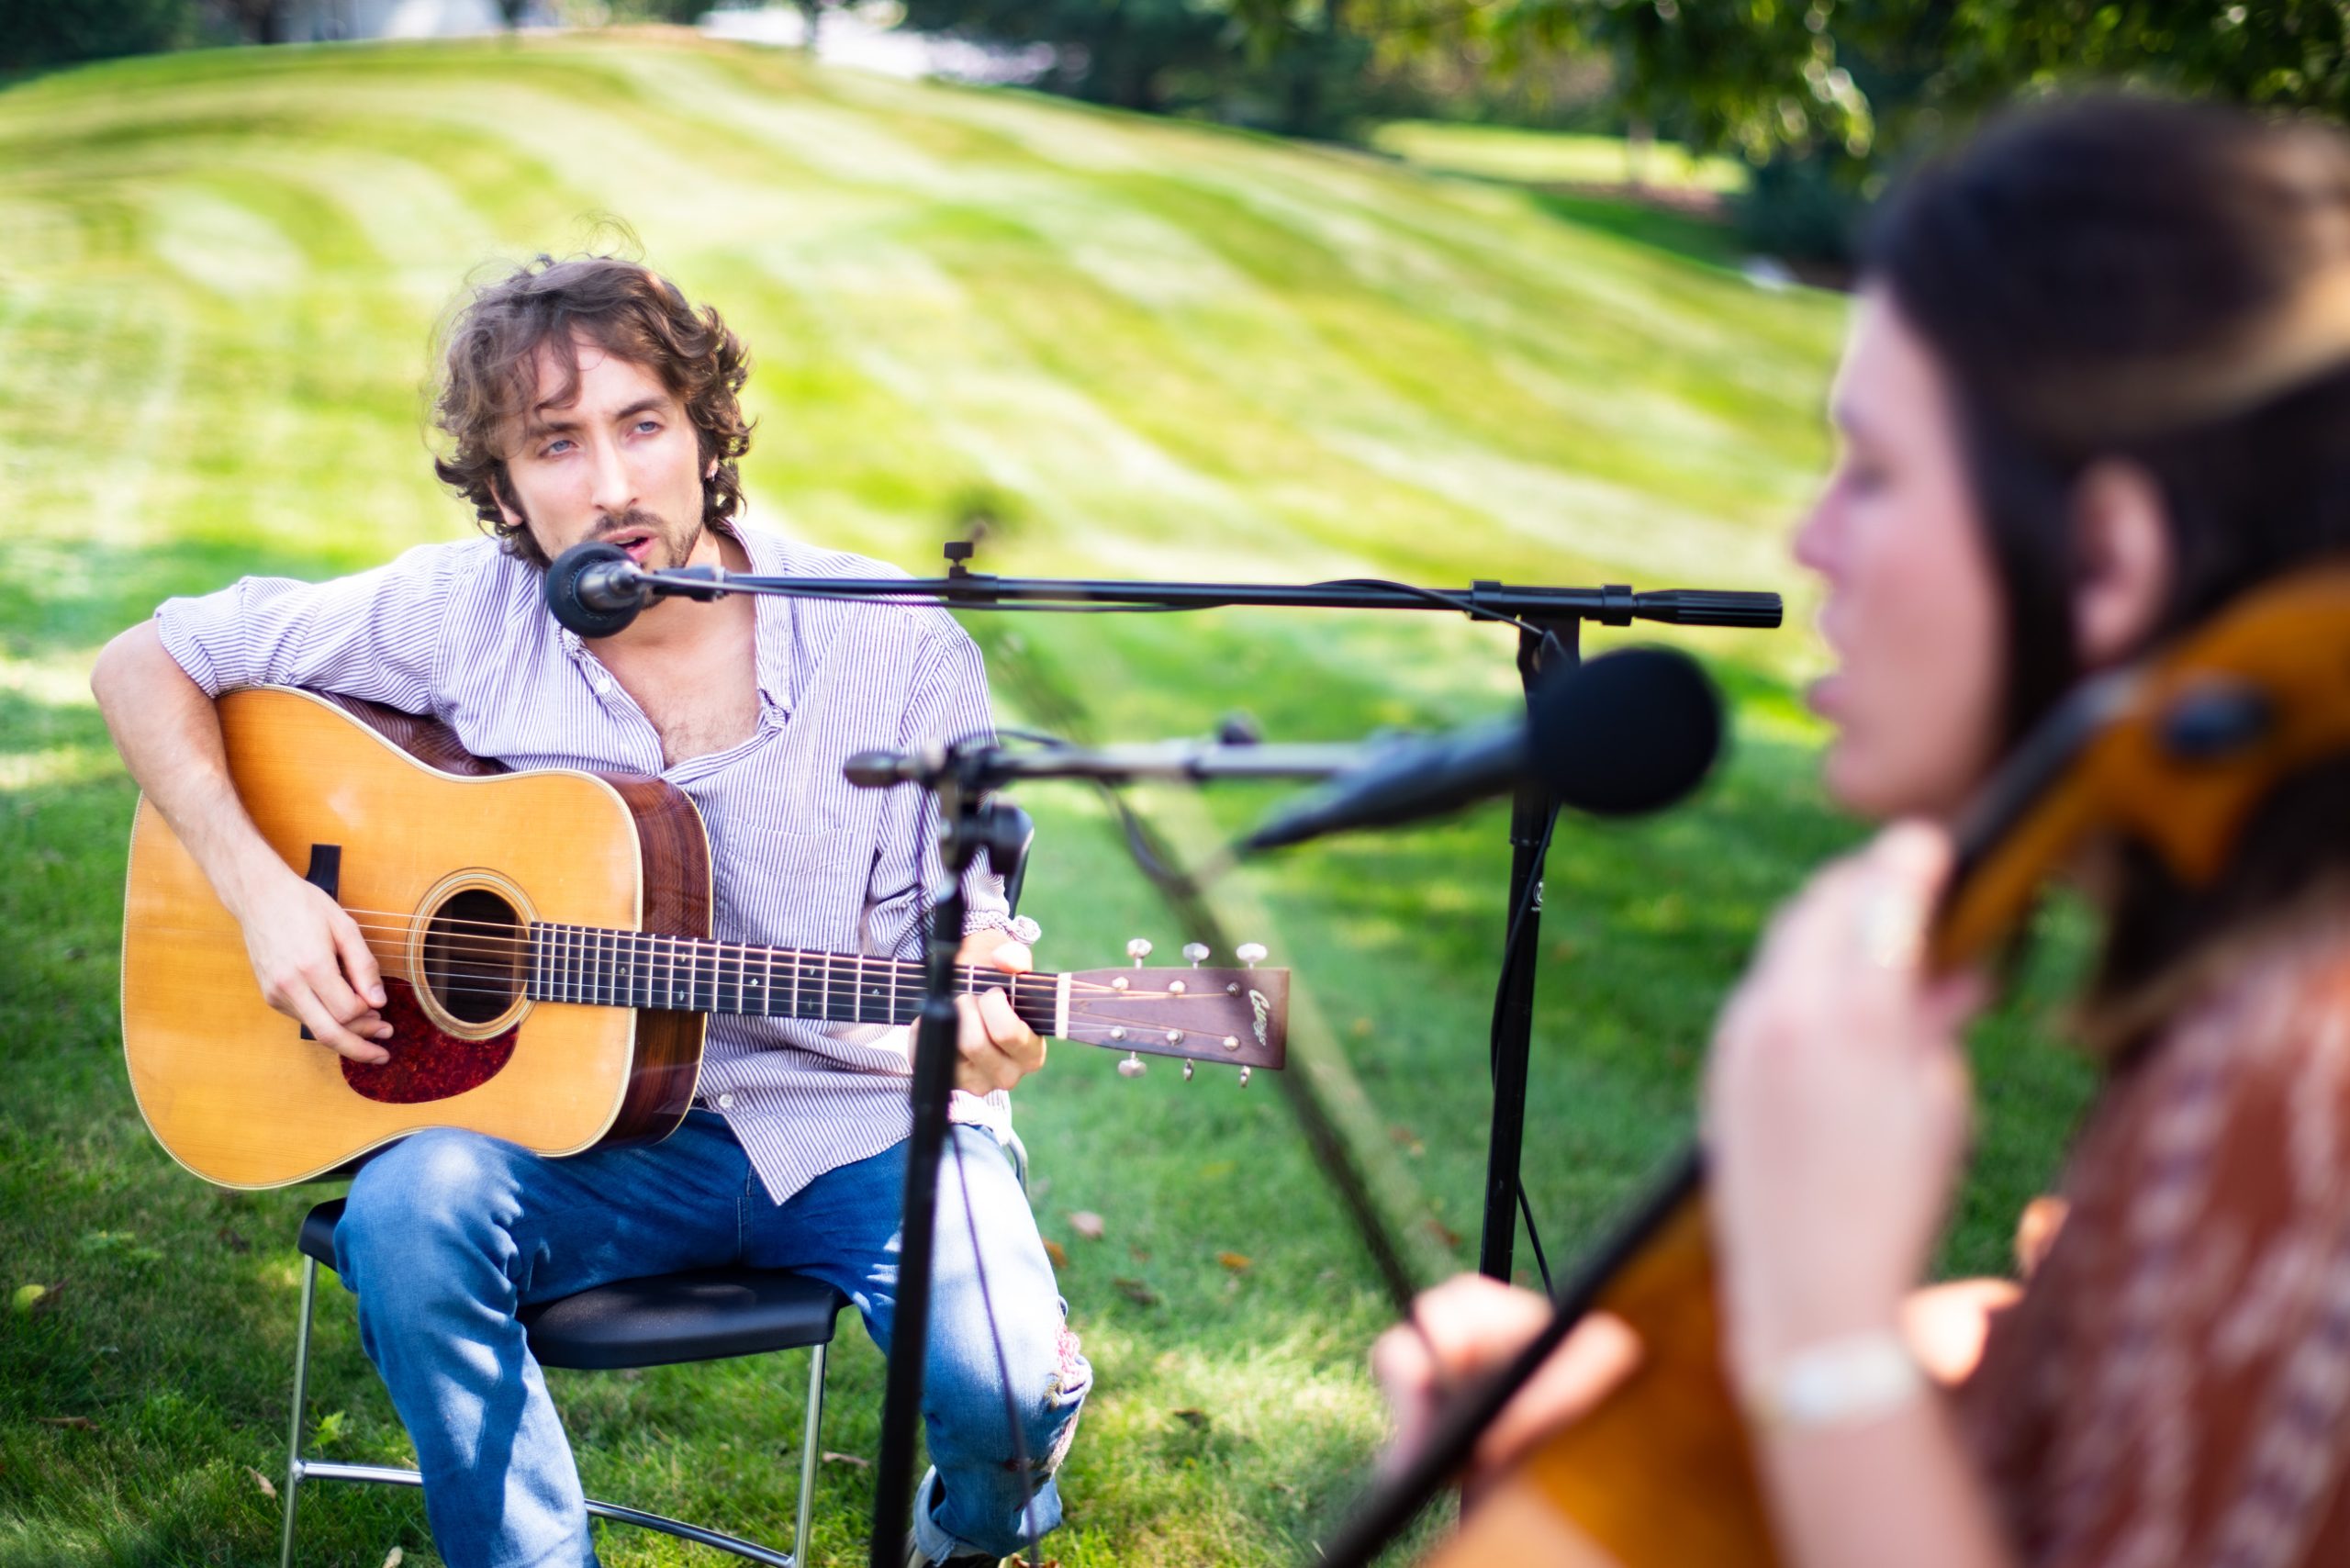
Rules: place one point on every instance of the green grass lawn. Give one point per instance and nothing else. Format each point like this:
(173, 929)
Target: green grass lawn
(1150, 349)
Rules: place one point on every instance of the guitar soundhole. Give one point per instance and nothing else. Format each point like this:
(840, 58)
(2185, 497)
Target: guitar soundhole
(474, 949)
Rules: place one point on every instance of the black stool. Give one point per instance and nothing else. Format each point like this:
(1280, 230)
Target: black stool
(703, 1316)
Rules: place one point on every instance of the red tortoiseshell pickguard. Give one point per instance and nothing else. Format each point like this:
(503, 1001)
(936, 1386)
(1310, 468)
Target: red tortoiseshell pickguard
(426, 1064)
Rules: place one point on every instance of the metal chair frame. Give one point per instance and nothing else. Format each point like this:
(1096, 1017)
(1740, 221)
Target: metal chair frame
(300, 1468)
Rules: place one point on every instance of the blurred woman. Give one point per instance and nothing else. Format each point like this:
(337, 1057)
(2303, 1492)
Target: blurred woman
(2098, 387)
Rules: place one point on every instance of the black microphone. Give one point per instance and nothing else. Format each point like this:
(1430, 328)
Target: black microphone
(880, 769)
(1629, 731)
(596, 589)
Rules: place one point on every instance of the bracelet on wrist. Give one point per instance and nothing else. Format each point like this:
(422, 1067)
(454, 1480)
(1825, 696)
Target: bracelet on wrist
(1849, 1380)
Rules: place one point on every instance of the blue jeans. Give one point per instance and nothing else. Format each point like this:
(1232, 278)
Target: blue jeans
(448, 1234)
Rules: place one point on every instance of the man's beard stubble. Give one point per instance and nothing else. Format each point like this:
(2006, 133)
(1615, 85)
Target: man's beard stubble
(639, 520)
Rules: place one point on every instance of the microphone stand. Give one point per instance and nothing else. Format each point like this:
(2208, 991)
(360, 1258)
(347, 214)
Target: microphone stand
(960, 778)
(1548, 619)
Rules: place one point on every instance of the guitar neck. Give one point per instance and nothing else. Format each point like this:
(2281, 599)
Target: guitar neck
(603, 968)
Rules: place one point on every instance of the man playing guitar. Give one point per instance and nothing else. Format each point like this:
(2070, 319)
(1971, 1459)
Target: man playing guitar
(585, 399)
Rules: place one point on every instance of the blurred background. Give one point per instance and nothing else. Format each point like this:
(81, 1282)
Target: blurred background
(1543, 291)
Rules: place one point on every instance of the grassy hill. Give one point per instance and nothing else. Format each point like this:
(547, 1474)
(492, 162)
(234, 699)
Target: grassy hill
(1146, 349)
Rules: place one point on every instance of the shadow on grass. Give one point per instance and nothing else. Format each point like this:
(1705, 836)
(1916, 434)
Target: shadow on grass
(1675, 233)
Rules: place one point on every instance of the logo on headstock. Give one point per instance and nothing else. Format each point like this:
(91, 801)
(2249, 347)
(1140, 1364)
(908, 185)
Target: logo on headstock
(1261, 1010)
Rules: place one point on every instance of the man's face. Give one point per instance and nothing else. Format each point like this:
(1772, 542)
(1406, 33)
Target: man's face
(618, 462)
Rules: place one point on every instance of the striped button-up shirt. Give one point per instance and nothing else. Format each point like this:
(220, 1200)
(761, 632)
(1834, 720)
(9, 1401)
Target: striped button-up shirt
(460, 632)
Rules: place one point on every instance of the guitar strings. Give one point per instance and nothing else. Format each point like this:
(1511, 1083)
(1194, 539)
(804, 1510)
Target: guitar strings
(1038, 997)
(473, 955)
(521, 942)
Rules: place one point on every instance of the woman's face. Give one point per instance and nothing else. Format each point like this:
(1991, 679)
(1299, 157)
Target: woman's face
(1913, 611)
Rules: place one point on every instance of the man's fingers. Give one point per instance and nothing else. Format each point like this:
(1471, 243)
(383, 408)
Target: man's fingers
(334, 993)
(984, 1067)
(1013, 959)
(358, 963)
(333, 1035)
(1010, 1033)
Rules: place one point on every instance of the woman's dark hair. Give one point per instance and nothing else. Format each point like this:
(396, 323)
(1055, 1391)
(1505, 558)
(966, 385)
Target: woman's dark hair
(489, 364)
(2166, 284)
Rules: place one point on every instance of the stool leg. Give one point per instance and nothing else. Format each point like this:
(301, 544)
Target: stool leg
(807, 1454)
(301, 1388)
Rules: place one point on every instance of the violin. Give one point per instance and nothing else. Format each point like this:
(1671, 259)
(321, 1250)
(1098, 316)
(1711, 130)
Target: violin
(2176, 751)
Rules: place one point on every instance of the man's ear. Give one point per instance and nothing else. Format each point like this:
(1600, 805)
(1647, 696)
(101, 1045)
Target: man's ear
(499, 493)
(2121, 555)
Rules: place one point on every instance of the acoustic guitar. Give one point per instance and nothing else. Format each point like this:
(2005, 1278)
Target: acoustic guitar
(545, 941)
(2174, 753)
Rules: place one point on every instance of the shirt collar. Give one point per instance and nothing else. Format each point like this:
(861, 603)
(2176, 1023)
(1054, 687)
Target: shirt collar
(771, 629)
(772, 626)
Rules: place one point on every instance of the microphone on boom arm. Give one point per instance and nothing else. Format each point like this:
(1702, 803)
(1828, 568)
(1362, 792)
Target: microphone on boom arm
(1628, 733)
(596, 589)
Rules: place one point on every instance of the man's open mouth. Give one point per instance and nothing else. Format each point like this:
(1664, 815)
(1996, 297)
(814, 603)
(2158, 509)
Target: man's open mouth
(638, 543)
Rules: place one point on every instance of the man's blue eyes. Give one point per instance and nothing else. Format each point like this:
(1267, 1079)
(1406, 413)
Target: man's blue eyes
(555, 448)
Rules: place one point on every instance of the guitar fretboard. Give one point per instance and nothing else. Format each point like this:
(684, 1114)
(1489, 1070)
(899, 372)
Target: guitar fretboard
(603, 968)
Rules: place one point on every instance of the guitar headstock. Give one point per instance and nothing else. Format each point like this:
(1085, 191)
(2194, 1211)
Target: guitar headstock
(1236, 1017)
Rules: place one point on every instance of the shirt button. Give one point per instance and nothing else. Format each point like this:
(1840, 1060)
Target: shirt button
(726, 1101)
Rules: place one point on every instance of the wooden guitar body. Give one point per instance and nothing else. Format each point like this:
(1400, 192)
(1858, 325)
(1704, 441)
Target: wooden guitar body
(410, 822)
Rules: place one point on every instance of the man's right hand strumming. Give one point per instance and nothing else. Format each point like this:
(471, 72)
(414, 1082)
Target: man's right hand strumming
(309, 954)
(313, 963)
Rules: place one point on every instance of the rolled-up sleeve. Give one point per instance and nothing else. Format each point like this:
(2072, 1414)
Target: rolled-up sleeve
(948, 702)
(380, 634)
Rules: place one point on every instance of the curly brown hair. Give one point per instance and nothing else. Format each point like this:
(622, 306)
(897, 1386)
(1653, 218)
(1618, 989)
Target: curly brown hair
(489, 374)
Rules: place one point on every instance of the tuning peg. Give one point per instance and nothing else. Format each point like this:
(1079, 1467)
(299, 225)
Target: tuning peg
(1188, 1066)
(1250, 952)
(1133, 1066)
(1244, 1077)
(1138, 949)
(1197, 952)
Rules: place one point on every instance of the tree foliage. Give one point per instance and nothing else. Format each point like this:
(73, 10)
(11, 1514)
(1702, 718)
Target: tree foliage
(1112, 51)
(1299, 70)
(1861, 76)
(35, 34)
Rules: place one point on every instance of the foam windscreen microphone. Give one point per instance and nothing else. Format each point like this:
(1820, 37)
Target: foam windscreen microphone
(596, 589)
(1629, 732)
